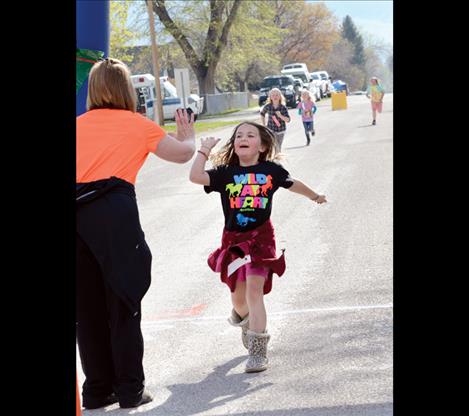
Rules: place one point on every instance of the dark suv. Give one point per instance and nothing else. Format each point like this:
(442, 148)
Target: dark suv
(284, 83)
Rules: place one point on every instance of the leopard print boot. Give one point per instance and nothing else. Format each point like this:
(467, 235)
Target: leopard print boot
(236, 320)
(257, 343)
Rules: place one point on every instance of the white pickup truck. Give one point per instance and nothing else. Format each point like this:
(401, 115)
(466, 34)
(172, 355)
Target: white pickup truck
(319, 84)
(300, 70)
(144, 85)
(323, 79)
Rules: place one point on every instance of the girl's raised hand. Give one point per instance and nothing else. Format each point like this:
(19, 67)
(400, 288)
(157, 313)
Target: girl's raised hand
(209, 142)
(184, 125)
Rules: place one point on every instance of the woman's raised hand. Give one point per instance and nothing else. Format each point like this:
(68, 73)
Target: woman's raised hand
(184, 125)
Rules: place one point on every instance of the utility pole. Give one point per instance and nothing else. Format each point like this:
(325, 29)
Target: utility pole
(156, 66)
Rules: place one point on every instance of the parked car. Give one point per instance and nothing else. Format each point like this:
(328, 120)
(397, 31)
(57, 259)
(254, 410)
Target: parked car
(319, 83)
(300, 73)
(325, 77)
(314, 91)
(285, 83)
(327, 84)
(298, 83)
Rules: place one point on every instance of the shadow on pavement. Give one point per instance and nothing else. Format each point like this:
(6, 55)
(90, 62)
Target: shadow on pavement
(215, 390)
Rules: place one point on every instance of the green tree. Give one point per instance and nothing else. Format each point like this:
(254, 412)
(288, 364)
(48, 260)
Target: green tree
(121, 35)
(378, 53)
(250, 48)
(339, 67)
(351, 33)
(310, 32)
(202, 53)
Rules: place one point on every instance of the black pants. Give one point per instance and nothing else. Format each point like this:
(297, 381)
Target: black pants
(109, 338)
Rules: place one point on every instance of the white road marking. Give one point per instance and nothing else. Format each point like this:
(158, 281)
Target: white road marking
(204, 319)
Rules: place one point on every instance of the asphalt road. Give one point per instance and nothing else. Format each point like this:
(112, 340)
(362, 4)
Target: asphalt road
(330, 314)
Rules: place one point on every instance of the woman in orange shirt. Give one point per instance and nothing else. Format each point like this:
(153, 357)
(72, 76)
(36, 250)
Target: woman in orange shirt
(113, 264)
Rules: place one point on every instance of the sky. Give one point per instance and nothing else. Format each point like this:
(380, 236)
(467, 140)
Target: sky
(373, 17)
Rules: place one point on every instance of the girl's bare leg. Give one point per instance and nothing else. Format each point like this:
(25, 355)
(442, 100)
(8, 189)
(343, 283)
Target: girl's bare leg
(255, 301)
(238, 298)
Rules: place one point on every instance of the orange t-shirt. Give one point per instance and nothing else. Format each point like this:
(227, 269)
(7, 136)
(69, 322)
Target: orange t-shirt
(114, 143)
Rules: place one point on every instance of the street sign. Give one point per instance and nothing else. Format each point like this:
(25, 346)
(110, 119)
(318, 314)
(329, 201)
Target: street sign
(183, 89)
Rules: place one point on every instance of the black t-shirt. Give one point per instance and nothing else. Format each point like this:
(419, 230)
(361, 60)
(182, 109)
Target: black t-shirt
(247, 191)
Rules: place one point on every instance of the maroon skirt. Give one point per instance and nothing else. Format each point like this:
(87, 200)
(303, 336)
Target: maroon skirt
(258, 244)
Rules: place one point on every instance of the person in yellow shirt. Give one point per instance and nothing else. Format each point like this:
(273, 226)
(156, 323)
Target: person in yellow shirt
(376, 92)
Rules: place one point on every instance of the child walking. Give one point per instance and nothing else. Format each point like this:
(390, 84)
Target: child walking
(307, 108)
(277, 115)
(376, 92)
(246, 176)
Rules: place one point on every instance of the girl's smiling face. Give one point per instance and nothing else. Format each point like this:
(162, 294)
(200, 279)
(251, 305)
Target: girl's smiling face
(248, 145)
(275, 96)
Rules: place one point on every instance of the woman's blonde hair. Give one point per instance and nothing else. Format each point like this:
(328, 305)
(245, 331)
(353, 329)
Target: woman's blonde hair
(227, 156)
(282, 98)
(110, 86)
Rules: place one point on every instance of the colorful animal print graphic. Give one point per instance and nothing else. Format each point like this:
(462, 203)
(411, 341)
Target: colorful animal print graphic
(248, 192)
(243, 221)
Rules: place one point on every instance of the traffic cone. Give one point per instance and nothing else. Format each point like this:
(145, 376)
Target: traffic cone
(78, 401)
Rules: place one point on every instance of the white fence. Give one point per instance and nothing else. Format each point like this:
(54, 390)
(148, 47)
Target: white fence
(219, 103)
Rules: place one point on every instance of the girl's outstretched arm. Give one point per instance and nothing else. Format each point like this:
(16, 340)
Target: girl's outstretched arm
(198, 174)
(303, 189)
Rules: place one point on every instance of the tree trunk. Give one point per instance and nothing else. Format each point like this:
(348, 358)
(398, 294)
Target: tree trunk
(206, 80)
(247, 76)
(206, 85)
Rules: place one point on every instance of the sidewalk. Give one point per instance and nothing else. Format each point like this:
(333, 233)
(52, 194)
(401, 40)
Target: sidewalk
(246, 114)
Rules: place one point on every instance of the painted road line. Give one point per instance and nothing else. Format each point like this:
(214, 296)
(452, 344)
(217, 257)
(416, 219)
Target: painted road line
(202, 319)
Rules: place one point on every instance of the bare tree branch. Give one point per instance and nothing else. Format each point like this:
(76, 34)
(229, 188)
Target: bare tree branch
(226, 28)
(159, 8)
(216, 40)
